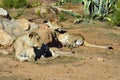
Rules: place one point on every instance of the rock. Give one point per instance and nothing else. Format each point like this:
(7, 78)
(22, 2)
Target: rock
(17, 27)
(4, 13)
(5, 39)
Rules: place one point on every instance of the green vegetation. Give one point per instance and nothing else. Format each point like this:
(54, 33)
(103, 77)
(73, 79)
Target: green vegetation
(95, 9)
(61, 17)
(35, 3)
(63, 2)
(19, 13)
(14, 3)
(99, 9)
(116, 15)
(116, 18)
(103, 10)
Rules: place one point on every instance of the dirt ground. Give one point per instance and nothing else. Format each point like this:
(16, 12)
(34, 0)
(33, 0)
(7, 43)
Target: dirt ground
(87, 63)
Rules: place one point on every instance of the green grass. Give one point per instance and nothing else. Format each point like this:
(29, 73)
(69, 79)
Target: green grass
(116, 18)
(62, 2)
(62, 17)
(35, 3)
(14, 3)
(116, 15)
(19, 13)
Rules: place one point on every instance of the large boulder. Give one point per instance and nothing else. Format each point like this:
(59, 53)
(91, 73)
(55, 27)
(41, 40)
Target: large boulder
(4, 13)
(17, 27)
(5, 39)
(5, 42)
(21, 26)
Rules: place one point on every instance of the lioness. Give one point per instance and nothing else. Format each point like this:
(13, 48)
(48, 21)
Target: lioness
(53, 24)
(26, 46)
(75, 40)
(48, 36)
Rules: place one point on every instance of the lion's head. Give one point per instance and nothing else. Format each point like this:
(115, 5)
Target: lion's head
(53, 24)
(35, 40)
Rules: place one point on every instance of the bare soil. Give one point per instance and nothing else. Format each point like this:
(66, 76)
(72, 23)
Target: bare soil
(87, 63)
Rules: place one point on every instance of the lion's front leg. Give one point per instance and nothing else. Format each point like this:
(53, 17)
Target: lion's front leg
(54, 54)
(26, 55)
(31, 54)
(22, 57)
(19, 51)
(20, 54)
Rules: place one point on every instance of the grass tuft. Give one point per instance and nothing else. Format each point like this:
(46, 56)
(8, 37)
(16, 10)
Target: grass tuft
(14, 3)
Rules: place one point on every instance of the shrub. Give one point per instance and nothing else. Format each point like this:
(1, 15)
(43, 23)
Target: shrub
(116, 18)
(116, 15)
(14, 3)
(35, 3)
(61, 17)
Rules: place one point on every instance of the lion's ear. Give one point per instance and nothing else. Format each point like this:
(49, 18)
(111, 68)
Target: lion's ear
(32, 34)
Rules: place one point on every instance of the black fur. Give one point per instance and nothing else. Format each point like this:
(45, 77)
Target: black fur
(44, 50)
(55, 42)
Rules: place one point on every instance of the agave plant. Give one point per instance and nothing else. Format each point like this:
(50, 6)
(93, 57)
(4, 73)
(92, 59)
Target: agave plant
(96, 9)
(99, 8)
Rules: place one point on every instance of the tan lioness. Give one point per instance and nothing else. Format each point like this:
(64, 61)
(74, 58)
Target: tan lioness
(75, 40)
(24, 46)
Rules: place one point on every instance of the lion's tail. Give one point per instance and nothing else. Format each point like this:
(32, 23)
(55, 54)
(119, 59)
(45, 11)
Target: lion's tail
(92, 45)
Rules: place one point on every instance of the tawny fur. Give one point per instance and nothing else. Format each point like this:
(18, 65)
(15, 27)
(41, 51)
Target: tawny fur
(71, 40)
(75, 40)
(53, 24)
(44, 32)
(24, 44)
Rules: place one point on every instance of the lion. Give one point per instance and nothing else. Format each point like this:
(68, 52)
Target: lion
(53, 24)
(75, 40)
(47, 35)
(26, 46)
(68, 39)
